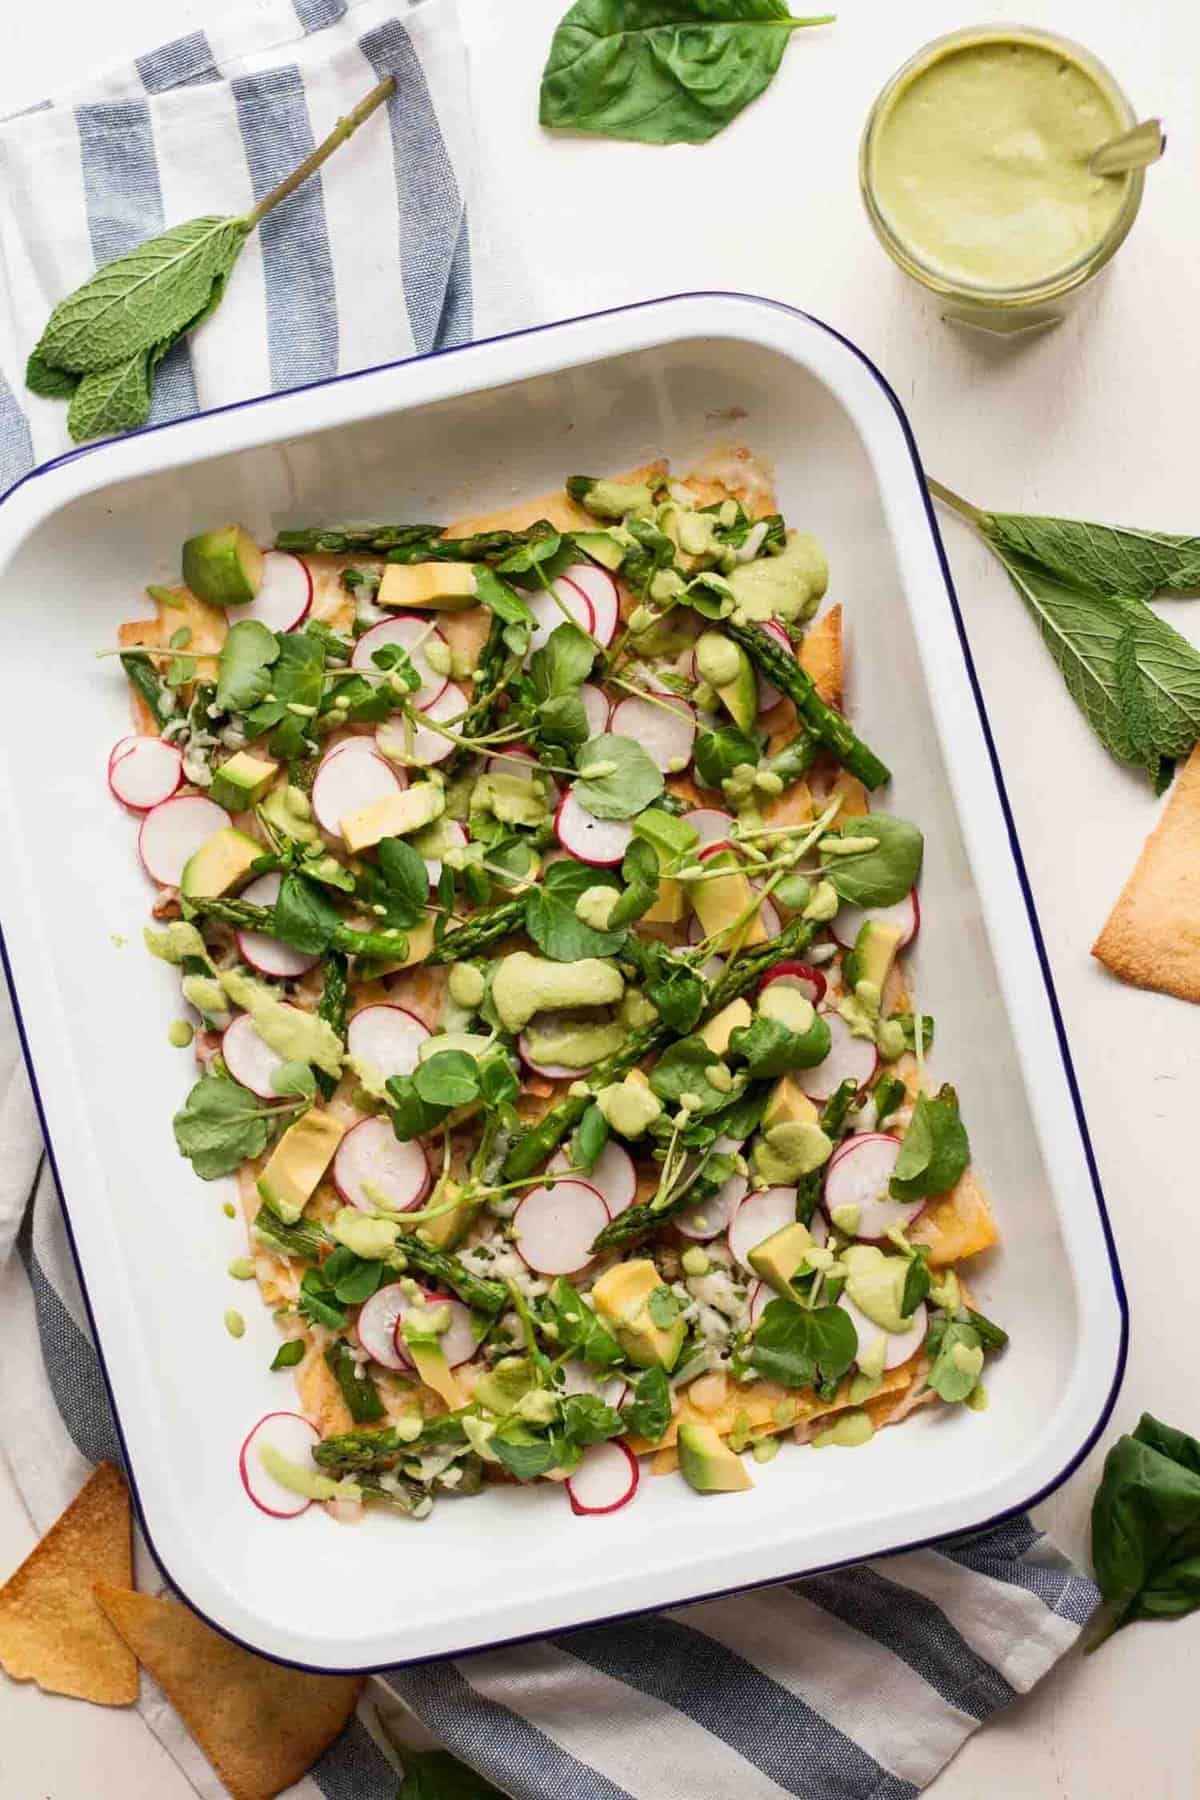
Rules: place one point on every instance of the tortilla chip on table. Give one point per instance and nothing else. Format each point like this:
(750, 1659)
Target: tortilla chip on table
(1152, 936)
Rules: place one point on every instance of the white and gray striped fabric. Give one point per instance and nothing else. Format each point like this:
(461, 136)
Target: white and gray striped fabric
(855, 1685)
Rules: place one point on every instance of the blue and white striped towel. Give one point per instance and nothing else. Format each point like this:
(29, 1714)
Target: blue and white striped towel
(857, 1685)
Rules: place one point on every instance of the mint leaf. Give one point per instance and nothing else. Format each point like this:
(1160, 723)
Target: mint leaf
(1111, 559)
(112, 400)
(51, 383)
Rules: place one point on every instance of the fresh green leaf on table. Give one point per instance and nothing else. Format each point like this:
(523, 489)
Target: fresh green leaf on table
(630, 783)
(1146, 1527)
(1109, 559)
(663, 71)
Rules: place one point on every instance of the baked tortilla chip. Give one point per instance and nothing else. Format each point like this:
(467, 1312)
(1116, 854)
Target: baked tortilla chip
(1152, 936)
(821, 655)
(558, 507)
(260, 1725)
(757, 1400)
(51, 1630)
(956, 1224)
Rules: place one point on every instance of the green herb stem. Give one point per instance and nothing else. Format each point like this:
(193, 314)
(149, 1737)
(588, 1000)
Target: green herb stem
(345, 128)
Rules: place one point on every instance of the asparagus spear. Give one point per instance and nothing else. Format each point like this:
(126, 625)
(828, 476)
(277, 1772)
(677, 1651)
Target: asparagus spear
(485, 546)
(332, 1009)
(369, 1451)
(831, 728)
(479, 932)
(309, 1240)
(140, 670)
(406, 1496)
(358, 1390)
(835, 1120)
(350, 538)
(379, 944)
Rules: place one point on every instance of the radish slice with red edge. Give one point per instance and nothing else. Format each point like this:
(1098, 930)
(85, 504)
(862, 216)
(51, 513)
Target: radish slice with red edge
(145, 773)
(453, 837)
(601, 842)
(768, 917)
(172, 832)
(249, 1060)
(457, 1342)
(665, 729)
(412, 634)
(284, 595)
(579, 1379)
(604, 1480)
(612, 1174)
(346, 782)
(600, 590)
(596, 707)
(386, 1038)
(561, 603)
(428, 746)
(121, 745)
(376, 1326)
(270, 955)
(769, 696)
(708, 1218)
(850, 1058)
(760, 1215)
(293, 1437)
(359, 744)
(905, 913)
(554, 1226)
(371, 1155)
(900, 1344)
(713, 825)
(798, 975)
(761, 1297)
(551, 1071)
(858, 1174)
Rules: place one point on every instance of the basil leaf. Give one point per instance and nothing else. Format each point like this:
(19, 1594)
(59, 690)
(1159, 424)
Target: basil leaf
(289, 1354)
(563, 662)
(632, 781)
(935, 1150)
(590, 1137)
(578, 1329)
(799, 1348)
(243, 669)
(1146, 1526)
(450, 1078)
(436, 1775)
(220, 1125)
(878, 877)
(648, 1414)
(559, 934)
(671, 72)
(718, 753)
(769, 1048)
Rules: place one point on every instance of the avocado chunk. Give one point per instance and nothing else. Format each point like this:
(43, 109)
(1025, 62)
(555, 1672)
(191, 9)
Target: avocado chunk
(219, 864)
(875, 1283)
(719, 903)
(524, 985)
(622, 1297)
(609, 499)
(726, 667)
(778, 1258)
(223, 567)
(429, 1360)
(298, 1162)
(396, 814)
(734, 1017)
(788, 1104)
(873, 954)
(707, 1463)
(242, 782)
(602, 547)
(436, 586)
(670, 835)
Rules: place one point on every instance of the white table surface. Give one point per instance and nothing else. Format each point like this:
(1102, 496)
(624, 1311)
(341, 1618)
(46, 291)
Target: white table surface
(1097, 417)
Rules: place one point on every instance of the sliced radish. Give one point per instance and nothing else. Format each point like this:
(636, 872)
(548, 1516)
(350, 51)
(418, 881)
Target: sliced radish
(284, 594)
(798, 975)
(559, 604)
(524, 765)
(905, 913)
(172, 832)
(292, 1436)
(601, 842)
(858, 1174)
(708, 1218)
(413, 634)
(612, 1175)
(555, 1226)
(376, 1325)
(550, 1021)
(713, 825)
(371, 1155)
(595, 705)
(769, 696)
(850, 1059)
(427, 746)
(346, 782)
(605, 1479)
(387, 1039)
(760, 1216)
(248, 1059)
(579, 1379)
(457, 1342)
(145, 772)
(453, 837)
(768, 917)
(760, 1298)
(900, 1344)
(598, 586)
(818, 1229)
(360, 744)
(665, 729)
(258, 948)
(121, 745)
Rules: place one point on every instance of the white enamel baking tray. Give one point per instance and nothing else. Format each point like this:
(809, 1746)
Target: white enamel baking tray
(464, 431)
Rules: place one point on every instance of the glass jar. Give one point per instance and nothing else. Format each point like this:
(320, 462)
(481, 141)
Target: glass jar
(1032, 303)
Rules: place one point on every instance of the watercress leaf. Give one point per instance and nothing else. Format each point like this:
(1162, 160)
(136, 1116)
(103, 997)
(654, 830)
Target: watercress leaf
(112, 400)
(352, 1278)
(412, 1116)
(542, 543)
(956, 1366)
(303, 917)
(294, 1080)
(578, 1329)
(363, 702)
(436, 1775)
(501, 600)
(648, 1414)
(220, 1125)
(917, 1283)
(562, 720)
(935, 1150)
(404, 873)
(769, 1048)
(50, 383)
(450, 1078)
(144, 298)
(244, 665)
(524, 1454)
(906, 1023)
(627, 783)
(738, 1118)
(668, 982)
(1109, 559)
(718, 753)
(587, 1420)
(799, 1347)
(991, 1335)
(567, 879)
(590, 1136)
(289, 1354)
(563, 662)
(551, 922)
(317, 1302)
(680, 1070)
(881, 876)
